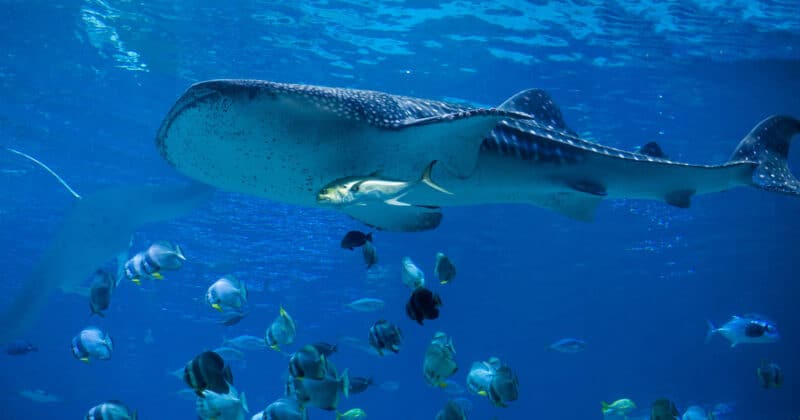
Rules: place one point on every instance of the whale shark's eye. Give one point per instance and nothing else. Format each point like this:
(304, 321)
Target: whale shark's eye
(355, 188)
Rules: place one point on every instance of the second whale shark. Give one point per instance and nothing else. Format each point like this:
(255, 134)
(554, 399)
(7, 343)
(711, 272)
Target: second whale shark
(286, 142)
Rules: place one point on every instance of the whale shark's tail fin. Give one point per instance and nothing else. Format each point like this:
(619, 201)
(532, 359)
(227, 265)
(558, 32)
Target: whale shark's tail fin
(768, 144)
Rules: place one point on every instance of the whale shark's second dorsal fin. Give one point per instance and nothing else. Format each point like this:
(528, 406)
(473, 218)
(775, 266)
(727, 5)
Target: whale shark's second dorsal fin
(538, 104)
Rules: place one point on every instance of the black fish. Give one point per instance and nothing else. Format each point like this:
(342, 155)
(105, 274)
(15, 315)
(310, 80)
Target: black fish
(19, 347)
(308, 363)
(208, 371)
(100, 293)
(359, 384)
(664, 409)
(384, 335)
(652, 149)
(355, 239)
(504, 387)
(370, 254)
(325, 349)
(423, 304)
(770, 375)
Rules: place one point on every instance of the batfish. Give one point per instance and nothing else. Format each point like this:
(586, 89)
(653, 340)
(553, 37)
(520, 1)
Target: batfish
(286, 142)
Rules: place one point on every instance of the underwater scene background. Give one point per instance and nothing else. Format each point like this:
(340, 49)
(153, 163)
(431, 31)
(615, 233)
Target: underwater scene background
(85, 85)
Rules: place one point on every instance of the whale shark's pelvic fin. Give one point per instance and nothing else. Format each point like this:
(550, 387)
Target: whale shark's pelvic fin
(768, 144)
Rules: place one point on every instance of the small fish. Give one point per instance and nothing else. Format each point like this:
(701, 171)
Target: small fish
(149, 263)
(412, 276)
(233, 318)
(212, 405)
(366, 304)
(621, 407)
(281, 332)
(439, 363)
(481, 375)
(664, 409)
(568, 345)
(746, 329)
(20, 347)
(229, 353)
(111, 410)
(103, 285)
(651, 149)
(90, 343)
(452, 411)
(423, 304)
(694, 413)
(352, 414)
(208, 371)
(445, 269)
(384, 335)
(40, 396)
(355, 239)
(246, 342)
(770, 375)
(321, 393)
(308, 363)
(370, 254)
(352, 191)
(227, 293)
(504, 387)
(283, 409)
(325, 349)
(359, 384)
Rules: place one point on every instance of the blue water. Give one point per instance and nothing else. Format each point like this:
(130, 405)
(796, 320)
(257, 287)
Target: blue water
(84, 86)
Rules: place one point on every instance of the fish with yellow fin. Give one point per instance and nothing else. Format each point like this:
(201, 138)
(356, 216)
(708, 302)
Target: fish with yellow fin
(281, 332)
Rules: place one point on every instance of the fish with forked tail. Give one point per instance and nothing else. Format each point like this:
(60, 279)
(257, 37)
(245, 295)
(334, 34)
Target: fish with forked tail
(519, 152)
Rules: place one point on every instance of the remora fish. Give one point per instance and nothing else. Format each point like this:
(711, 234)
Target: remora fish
(519, 152)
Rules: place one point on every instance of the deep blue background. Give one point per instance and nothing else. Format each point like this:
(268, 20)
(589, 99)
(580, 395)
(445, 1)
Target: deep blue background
(637, 284)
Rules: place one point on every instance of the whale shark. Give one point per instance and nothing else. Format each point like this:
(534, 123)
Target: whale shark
(285, 142)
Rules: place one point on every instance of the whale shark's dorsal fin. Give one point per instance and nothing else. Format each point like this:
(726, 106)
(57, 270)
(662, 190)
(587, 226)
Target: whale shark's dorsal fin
(538, 104)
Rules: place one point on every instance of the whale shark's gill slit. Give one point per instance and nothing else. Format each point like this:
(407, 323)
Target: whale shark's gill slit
(97, 228)
(46, 168)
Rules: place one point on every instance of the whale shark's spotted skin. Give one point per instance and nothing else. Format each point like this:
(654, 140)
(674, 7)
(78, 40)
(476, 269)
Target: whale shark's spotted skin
(287, 141)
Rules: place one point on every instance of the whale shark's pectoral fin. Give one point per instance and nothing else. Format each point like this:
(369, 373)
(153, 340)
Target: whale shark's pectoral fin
(452, 139)
(575, 205)
(680, 198)
(408, 218)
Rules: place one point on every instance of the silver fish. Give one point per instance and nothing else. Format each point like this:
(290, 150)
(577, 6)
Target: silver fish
(282, 331)
(366, 304)
(357, 191)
